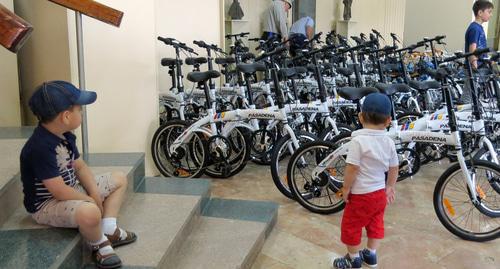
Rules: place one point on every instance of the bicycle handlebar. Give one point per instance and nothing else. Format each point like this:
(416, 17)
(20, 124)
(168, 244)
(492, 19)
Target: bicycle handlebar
(460, 55)
(176, 44)
(204, 45)
(377, 33)
(272, 53)
(437, 38)
(237, 35)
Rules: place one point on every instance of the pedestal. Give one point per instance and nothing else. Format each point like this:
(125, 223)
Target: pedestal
(346, 28)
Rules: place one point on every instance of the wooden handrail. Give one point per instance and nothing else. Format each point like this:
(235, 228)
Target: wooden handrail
(93, 9)
(14, 31)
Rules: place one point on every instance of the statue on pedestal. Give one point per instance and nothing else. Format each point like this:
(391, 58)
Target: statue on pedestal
(347, 9)
(235, 11)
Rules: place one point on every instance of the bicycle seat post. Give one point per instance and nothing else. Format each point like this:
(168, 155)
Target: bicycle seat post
(179, 69)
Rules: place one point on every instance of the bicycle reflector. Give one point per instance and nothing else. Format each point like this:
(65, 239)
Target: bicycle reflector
(449, 207)
(480, 192)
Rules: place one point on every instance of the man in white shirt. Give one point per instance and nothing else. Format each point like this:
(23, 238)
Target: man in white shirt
(301, 31)
(275, 25)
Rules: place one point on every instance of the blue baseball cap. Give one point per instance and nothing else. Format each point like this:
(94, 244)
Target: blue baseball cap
(377, 103)
(53, 97)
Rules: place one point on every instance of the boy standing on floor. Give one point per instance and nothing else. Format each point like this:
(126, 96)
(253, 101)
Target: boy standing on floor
(371, 155)
(59, 188)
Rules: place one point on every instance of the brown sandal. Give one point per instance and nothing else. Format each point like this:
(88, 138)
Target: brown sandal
(109, 261)
(116, 240)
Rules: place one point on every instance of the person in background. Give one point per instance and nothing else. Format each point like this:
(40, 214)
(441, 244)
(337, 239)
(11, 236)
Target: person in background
(475, 37)
(276, 25)
(302, 30)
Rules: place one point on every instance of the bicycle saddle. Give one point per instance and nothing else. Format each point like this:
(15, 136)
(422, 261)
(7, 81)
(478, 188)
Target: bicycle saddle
(300, 70)
(287, 73)
(251, 68)
(327, 66)
(424, 85)
(224, 61)
(390, 67)
(345, 71)
(355, 94)
(247, 56)
(195, 61)
(202, 76)
(390, 89)
(168, 62)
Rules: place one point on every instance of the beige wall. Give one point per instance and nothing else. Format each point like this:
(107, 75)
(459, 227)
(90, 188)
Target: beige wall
(121, 66)
(326, 11)
(185, 21)
(428, 18)
(385, 16)
(10, 114)
(252, 21)
(46, 54)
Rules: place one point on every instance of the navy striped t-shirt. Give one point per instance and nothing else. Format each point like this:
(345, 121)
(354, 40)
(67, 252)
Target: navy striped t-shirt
(46, 156)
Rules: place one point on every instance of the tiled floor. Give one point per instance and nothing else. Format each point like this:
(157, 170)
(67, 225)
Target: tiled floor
(414, 236)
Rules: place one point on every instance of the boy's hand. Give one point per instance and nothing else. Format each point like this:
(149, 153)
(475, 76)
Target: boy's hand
(390, 191)
(98, 202)
(345, 194)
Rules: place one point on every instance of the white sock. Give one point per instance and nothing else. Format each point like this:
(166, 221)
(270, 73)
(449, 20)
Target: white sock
(354, 255)
(105, 250)
(108, 225)
(373, 251)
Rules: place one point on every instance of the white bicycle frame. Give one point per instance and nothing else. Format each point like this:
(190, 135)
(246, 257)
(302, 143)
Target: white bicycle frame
(452, 139)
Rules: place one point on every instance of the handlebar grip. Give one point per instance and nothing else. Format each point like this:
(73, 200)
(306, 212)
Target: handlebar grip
(482, 51)
(200, 43)
(166, 40)
(440, 37)
(272, 53)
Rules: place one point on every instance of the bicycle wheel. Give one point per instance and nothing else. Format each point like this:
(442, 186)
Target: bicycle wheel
(455, 209)
(321, 194)
(408, 117)
(281, 157)
(484, 154)
(189, 159)
(237, 160)
(328, 134)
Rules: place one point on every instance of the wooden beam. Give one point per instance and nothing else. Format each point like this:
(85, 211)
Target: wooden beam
(14, 31)
(93, 9)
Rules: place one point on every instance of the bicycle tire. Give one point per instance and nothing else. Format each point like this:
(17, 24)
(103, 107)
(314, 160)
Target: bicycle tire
(444, 207)
(281, 183)
(157, 148)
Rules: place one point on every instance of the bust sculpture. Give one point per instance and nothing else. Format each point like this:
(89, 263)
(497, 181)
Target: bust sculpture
(235, 11)
(347, 9)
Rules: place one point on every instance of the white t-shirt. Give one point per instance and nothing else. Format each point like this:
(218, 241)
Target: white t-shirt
(374, 152)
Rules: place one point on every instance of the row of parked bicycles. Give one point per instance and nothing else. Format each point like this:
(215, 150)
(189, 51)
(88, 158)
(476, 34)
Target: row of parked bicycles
(296, 114)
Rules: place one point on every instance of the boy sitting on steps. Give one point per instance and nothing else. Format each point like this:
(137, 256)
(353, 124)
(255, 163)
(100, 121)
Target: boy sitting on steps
(59, 188)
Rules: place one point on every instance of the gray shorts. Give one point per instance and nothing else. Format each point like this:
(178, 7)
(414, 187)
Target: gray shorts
(57, 213)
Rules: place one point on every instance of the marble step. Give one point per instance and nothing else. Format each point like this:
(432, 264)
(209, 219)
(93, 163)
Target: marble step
(230, 235)
(221, 244)
(10, 184)
(25, 244)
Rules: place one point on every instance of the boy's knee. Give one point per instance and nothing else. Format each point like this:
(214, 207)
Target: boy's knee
(88, 214)
(119, 178)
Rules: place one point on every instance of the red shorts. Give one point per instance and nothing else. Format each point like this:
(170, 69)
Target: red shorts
(363, 210)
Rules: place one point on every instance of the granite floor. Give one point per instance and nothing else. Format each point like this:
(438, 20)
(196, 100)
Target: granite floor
(414, 236)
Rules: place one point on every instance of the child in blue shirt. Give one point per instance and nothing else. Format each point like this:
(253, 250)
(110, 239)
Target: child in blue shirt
(475, 37)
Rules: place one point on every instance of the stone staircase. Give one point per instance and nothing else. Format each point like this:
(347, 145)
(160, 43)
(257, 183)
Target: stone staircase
(178, 223)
